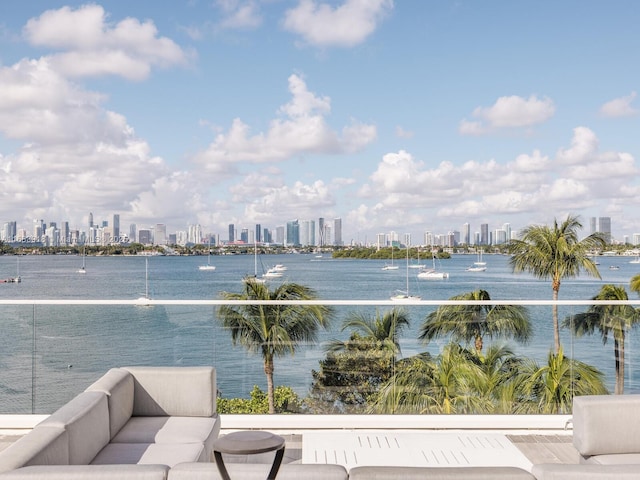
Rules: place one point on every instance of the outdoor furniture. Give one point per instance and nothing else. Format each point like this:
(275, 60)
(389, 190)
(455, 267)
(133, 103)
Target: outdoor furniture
(249, 443)
(158, 416)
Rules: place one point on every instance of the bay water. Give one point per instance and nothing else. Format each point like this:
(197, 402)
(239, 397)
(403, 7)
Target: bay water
(49, 353)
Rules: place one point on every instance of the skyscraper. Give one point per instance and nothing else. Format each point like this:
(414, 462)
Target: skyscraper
(337, 231)
(293, 233)
(258, 233)
(484, 234)
(604, 227)
(232, 233)
(90, 220)
(160, 234)
(133, 233)
(115, 227)
(321, 232)
(466, 234)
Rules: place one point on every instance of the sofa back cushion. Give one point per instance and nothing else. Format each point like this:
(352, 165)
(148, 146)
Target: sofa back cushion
(604, 424)
(117, 384)
(41, 446)
(86, 421)
(178, 391)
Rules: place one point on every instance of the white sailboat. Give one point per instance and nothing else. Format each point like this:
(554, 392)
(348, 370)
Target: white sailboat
(83, 269)
(208, 266)
(392, 266)
(479, 265)
(636, 260)
(404, 296)
(144, 299)
(432, 273)
(254, 278)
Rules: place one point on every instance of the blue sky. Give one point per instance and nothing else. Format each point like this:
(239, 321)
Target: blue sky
(405, 116)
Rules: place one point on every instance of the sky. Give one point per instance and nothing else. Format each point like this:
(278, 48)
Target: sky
(403, 116)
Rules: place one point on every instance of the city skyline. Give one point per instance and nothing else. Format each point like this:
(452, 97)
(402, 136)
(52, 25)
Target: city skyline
(295, 232)
(394, 116)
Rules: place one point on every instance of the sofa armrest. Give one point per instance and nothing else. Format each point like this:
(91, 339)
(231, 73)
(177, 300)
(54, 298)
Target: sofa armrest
(41, 446)
(559, 471)
(606, 424)
(89, 472)
(174, 391)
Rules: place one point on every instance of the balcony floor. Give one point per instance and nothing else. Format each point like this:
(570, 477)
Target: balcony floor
(536, 448)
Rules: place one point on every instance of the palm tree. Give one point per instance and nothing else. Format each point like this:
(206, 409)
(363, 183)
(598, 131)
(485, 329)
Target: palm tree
(551, 388)
(466, 323)
(555, 253)
(273, 330)
(634, 284)
(608, 319)
(377, 332)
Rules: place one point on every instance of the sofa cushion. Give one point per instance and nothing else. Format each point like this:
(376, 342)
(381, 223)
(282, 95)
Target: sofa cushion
(203, 430)
(558, 471)
(168, 454)
(86, 420)
(42, 446)
(605, 424)
(209, 471)
(614, 459)
(93, 472)
(439, 473)
(117, 384)
(180, 391)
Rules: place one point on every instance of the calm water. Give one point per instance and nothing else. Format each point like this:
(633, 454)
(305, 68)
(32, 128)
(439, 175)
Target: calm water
(72, 346)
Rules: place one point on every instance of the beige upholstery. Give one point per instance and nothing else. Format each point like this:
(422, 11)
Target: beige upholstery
(439, 473)
(557, 471)
(93, 472)
(169, 454)
(117, 384)
(45, 446)
(245, 471)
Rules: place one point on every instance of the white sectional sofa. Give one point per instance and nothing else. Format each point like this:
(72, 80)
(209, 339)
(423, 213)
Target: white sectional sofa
(132, 417)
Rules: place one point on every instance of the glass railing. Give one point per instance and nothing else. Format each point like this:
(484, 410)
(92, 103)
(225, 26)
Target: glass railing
(446, 357)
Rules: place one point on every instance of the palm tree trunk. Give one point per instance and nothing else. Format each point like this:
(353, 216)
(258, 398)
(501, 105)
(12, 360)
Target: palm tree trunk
(556, 327)
(268, 370)
(618, 347)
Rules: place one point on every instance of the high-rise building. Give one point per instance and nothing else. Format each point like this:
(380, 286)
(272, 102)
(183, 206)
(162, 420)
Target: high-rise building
(65, 237)
(593, 226)
(244, 235)
(428, 238)
(258, 233)
(484, 234)
(280, 235)
(293, 233)
(232, 233)
(321, 232)
(337, 231)
(381, 240)
(115, 227)
(604, 227)
(133, 235)
(90, 220)
(144, 236)
(160, 234)
(466, 234)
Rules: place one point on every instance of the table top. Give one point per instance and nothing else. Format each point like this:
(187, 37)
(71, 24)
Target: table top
(248, 442)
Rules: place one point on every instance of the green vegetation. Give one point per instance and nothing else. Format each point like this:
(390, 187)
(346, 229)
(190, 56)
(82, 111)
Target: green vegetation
(466, 323)
(270, 329)
(353, 370)
(285, 401)
(555, 253)
(614, 320)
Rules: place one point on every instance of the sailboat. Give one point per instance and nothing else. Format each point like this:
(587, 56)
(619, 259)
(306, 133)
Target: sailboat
(432, 273)
(144, 299)
(208, 266)
(82, 269)
(17, 278)
(404, 296)
(392, 266)
(636, 260)
(478, 266)
(254, 278)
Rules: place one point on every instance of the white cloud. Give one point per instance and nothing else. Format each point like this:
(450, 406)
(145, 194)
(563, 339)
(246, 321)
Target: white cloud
(508, 112)
(92, 46)
(301, 130)
(619, 107)
(584, 146)
(346, 25)
(239, 14)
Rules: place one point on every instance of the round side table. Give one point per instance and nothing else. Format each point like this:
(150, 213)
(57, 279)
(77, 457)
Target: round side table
(249, 442)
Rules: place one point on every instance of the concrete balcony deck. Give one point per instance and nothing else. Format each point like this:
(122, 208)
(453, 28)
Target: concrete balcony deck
(434, 440)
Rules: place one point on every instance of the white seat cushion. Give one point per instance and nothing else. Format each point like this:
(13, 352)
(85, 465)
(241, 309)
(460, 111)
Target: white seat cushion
(150, 454)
